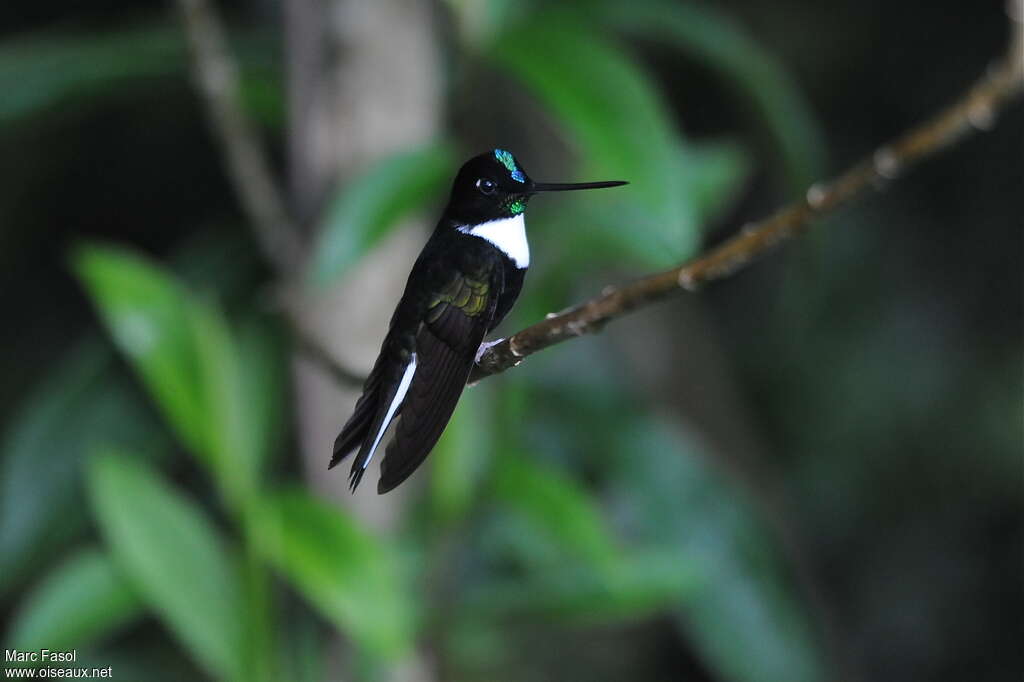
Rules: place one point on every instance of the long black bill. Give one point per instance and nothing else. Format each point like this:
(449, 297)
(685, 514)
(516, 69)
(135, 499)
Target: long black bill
(569, 186)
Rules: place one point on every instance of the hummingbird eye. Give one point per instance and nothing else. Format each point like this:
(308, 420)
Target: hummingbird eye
(486, 185)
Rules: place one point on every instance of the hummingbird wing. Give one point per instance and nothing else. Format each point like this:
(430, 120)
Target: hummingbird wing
(453, 327)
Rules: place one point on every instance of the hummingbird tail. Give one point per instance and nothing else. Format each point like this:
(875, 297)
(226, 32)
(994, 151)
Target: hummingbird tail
(385, 414)
(358, 425)
(353, 433)
(431, 400)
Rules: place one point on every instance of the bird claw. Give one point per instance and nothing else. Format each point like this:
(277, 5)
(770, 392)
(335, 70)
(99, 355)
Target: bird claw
(484, 347)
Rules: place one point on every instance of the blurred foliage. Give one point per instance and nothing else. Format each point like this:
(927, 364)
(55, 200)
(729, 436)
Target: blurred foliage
(50, 70)
(173, 557)
(612, 112)
(43, 71)
(369, 206)
(760, 81)
(560, 497)
(79, 603)
(340, 568)
(79, 406)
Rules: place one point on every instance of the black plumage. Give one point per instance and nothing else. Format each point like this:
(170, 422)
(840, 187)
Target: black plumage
(463, 284)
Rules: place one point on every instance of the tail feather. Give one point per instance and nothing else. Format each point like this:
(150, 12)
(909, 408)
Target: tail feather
(432, 398)
(388, 406)
(355, 429)
(358, 425)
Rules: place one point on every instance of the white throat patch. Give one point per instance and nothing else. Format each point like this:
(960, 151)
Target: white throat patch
(508, 234)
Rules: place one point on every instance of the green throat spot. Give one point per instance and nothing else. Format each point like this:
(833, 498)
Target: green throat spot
(517, 207)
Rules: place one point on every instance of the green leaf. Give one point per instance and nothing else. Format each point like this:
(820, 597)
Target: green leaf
(557, 507)
(174, 558)
(264, 387)
(637, 585)
(718, 170)
(744, 618)
(303, 646)
(620, 127)
(230, 439)
(83, 402)
(765, 87)
(147, 658)
(343, 571)
(40, 71)
(147, 314)
(184, 352)
(461, 456)
(367, 208)
(743, 614)
(82, 601)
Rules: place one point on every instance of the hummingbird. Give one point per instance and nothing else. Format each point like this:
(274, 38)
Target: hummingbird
(464, 282)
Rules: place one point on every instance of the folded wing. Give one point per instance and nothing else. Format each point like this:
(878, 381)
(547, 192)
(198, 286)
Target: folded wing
(453, 327)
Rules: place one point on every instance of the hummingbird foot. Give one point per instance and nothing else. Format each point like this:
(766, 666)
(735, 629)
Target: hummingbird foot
(484, 347)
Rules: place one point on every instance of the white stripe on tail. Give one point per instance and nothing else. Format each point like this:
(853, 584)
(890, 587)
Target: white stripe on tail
(403, 388)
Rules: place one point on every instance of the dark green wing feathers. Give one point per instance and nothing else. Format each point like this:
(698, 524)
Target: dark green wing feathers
(453, 328)
(423, 367)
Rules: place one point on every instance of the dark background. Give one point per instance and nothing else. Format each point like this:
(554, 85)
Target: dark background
(866, 379)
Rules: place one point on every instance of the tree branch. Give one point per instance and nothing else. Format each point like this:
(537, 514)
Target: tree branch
(975, 110)
(318, 355)
(216, 74)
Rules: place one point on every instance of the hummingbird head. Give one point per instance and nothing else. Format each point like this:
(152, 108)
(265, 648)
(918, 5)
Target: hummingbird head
(493, 185)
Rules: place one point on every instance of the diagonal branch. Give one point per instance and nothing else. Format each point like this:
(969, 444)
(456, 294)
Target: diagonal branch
(311, 349)
(975, 110)
(216, 75)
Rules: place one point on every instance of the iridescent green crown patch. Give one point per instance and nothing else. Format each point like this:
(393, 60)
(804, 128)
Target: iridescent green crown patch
(506, 160)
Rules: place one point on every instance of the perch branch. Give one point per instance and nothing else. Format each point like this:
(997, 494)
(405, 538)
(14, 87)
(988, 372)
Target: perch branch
(315, 352)
(216, 74)
(975, 110)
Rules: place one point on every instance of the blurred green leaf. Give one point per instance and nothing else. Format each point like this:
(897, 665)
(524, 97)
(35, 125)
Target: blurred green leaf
(621, 127)
(303, 645)
(44, 70)
(143, 657)
(557, 507)
(591, 580)
(174, 558)
(83, 600)
(229, 435)
(147, 314)
(185, 353)
(39, 71)
(367, 208)
(83, 401)
(264, 387)
(744, 616)
(640, 583)
(86, 400)
(717, 173)
(765, 86)
(343, 571)
(460, 456)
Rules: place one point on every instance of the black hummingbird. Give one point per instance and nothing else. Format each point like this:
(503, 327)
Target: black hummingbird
(462, 285)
